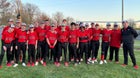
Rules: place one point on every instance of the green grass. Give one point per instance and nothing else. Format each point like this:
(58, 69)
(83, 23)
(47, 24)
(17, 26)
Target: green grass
(110, 70)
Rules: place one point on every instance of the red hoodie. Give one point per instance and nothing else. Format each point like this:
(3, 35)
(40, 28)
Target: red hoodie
(106, 35)
(115, 38)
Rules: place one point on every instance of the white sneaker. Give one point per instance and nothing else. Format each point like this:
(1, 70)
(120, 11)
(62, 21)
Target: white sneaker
(81, 59)
(15, 65)
(101, 62)
(92, 61)
(36, 63)
(41, 61)
(105, 61)
(96, 61)
(23, 64)
(61, 58)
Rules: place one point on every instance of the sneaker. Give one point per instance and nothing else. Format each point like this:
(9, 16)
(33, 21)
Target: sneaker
(87, 62)
(105, 61)
(8, 65)
(58, 64)
(15, 65)
(75, 64)
(61, 58)
(92, 61)
(79, 63)
(123, 65)
(81, 59)
(28, 64)
(36, 63)
(66, 64)
(96, 61)
(44, 63)
(72, 59)
(33, 64)
(41, 61)
(101, 62)
(12, 62)
(136, 67)
(23, 64)
(117, 62)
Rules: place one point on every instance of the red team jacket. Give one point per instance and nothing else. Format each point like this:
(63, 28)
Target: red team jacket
(41, 33)
(115, 38)
(22, 36)
(106, 35)
(96, 34)
(32, 37)
(52, 36)
(83, 36)
(63, 36)
(73, 35)
(8, 37)
(4, 29)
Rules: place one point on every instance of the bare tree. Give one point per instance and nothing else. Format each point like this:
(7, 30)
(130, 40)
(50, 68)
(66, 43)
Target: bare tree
(131, 22)
(69, 20)
(58, 17)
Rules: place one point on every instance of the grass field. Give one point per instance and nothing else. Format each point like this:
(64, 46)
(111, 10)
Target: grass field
(110, 70)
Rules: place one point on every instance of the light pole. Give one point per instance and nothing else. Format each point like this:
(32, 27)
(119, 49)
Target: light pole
(122, 10)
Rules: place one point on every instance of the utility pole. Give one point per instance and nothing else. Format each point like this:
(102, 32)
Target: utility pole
(122, 10)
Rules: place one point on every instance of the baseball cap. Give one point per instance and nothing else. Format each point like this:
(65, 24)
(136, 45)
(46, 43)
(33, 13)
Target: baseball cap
(23, 24)
(17, 21)
(108, 24)
(10, 20)
(12, 25)
(31, 26)
(86, 24)
(115, 24)
(82, 25)
(124, 21)
(52, 25)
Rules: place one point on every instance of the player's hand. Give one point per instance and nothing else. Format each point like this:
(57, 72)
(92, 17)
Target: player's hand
(4, 47)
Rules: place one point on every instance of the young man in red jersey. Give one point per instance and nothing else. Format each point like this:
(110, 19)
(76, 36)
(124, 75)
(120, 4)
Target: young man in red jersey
(51, 39)
(83, 42)
(73, 43)
(105, 43)
(41, 52)
(8, 38)
(115, 43)
(17, 28)
(21, 44)
(95, 42)
(89, 42)
(63, 35)
(32, 45)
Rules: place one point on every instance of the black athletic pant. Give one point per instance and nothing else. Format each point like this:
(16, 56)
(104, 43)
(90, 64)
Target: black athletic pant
(64, 47)
(112, 50)
(83, 48)
(14, 50)
(105, 46)
(21, 48)
(95, 48)
(41, 52)
(72, 51)
(8, 53)
(129, 48)
(53, 52)
(31, 53)
(89, 49)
